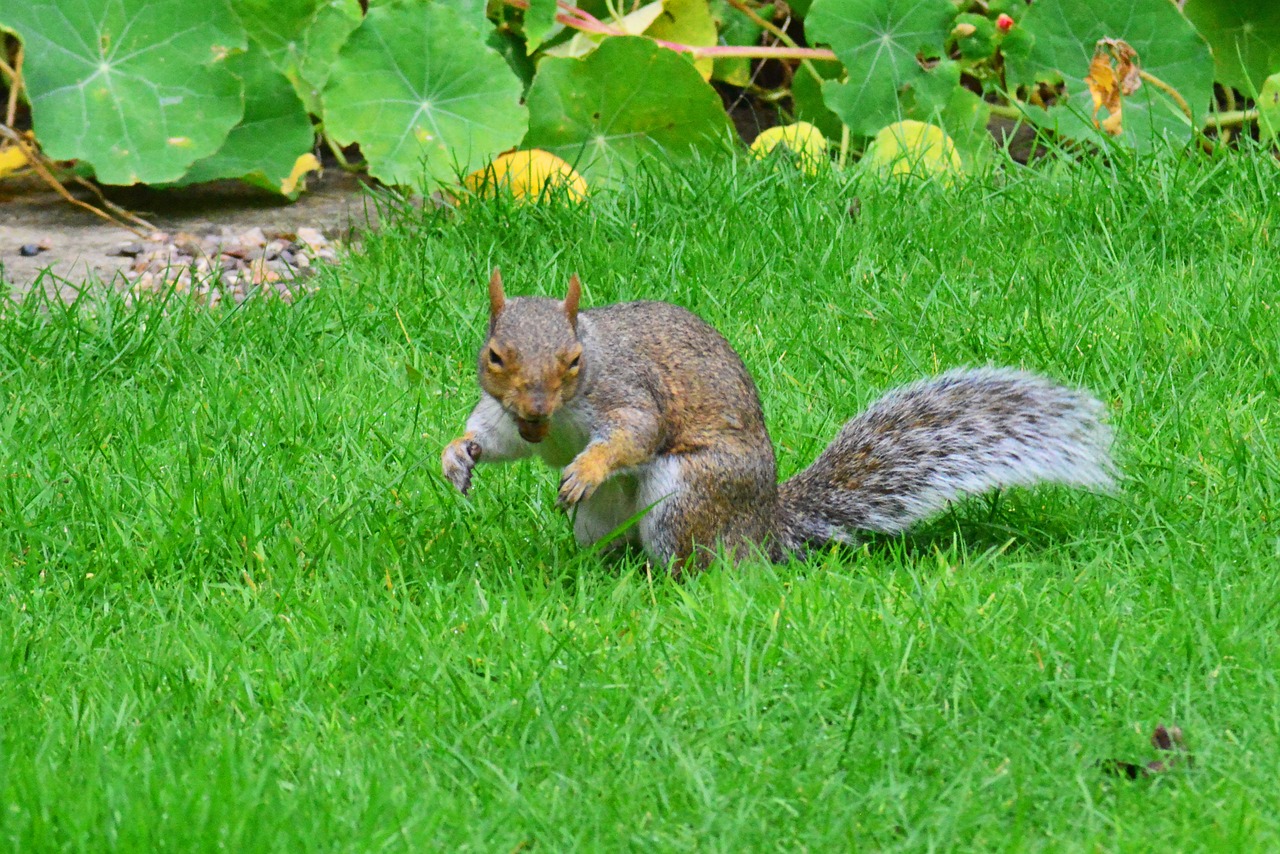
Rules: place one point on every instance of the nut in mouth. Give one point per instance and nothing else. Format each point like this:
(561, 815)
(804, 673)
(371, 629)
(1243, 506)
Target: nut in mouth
(533, 430)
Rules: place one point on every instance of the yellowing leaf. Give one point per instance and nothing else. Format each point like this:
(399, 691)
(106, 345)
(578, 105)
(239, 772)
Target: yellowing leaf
(914, 148)
(687, 22)
(633, 24)
(1109, 82)
(304, 164)
(1268, 108)
(529, 174)
(11, 160)
(802, 138)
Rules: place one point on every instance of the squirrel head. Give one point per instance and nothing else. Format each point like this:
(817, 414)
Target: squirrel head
(531, 361)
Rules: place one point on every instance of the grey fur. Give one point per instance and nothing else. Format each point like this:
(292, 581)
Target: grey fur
(661, 415)
(925, 445)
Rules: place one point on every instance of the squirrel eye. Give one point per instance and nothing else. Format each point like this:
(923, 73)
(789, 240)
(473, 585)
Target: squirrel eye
(494, 358)
(573, 364)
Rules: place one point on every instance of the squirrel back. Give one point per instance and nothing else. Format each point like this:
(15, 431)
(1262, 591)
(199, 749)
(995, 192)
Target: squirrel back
(658, 420)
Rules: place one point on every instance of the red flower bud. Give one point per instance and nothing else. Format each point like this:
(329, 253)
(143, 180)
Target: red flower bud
(1004, 23)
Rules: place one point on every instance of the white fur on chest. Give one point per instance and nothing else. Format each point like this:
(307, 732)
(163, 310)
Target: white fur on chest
(569, 434)
(642, 489)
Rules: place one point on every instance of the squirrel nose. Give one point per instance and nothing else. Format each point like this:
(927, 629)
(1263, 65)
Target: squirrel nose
(539, 407)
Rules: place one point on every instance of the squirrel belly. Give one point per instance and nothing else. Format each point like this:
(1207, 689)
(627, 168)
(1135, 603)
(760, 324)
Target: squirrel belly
(650, 413)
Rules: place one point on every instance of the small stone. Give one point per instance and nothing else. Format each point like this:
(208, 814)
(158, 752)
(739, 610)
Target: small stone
(127, 250)
(260, 273)
(312, 237)
(189, 244)
(29, 250)
(45, 243)
(253, 238)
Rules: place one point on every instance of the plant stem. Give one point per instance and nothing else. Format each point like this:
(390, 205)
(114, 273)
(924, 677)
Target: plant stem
(576, 19)
(336, 150)
(778, 33)
(1006, 111)
(37, 161)
(1231, 118)
(1168, 90)
(15, 85)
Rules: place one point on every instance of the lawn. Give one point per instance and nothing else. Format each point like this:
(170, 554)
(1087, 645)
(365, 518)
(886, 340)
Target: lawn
(242, 609)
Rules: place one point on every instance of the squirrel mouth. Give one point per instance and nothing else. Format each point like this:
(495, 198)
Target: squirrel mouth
(533, 431)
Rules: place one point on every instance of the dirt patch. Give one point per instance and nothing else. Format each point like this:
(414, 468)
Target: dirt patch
(76, 248)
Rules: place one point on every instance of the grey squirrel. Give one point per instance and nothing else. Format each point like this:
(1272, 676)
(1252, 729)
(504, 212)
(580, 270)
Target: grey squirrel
(649, 410)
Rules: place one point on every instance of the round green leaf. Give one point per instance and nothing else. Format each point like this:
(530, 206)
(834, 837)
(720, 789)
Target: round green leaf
(539, 22)
(1269, 108)
(138, 89)
(1245, 37)
(417, 88)
(277, 27)
(806, 96)
(736, 29)
(274, 133)
(878, 41)
(627, 100)
(1065, 35)
(327, 32)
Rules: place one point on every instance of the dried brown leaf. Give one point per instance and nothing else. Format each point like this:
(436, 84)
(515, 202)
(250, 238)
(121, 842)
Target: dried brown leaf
(1113, 75)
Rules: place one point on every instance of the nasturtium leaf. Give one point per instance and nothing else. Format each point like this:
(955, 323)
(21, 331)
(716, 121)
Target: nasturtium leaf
(687, 22)
(806, 96)
(328, 31)
(736, 29)
(915, 149)
(527, 176)
(137, 89)
(539, 22)
(276, 28)
(418, 88)
(959, 112)
(804, 142)
(879, 42)
(633, 24)
(1066, 33)
(625, 102)
(11, 160)
(1269, 108)
(975, 36)
(1245, 37)
(474, 12)
(275, 131)
(965, 118)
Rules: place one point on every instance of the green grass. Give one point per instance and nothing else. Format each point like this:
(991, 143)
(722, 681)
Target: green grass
(241, 608)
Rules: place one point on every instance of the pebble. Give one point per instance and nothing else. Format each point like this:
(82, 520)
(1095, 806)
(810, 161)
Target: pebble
(29, 250)
(227, 264)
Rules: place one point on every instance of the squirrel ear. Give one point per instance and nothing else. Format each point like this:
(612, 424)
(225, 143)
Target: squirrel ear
(571, 301)
(497, 299)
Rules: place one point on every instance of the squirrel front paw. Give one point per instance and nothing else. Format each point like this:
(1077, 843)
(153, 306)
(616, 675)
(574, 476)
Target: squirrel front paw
(580, 480)
(458, 460)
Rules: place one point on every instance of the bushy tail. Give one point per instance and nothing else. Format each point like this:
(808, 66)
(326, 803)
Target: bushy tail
(922, 446)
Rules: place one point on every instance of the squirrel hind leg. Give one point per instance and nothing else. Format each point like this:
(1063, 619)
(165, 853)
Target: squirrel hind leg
(696, 505)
